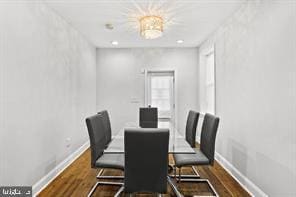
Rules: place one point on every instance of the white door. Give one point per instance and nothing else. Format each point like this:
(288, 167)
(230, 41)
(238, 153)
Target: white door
(160, 93)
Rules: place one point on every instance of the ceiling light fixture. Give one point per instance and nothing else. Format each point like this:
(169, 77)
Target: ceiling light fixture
(151, 27)
(114, 42)
(180, 41)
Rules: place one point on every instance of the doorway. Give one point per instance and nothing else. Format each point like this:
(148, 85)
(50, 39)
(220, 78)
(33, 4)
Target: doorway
(160, 93)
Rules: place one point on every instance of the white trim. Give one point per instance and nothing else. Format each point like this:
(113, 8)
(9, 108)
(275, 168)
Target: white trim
(246, 183)
(44, 181)
(203, 55)
(145, 88)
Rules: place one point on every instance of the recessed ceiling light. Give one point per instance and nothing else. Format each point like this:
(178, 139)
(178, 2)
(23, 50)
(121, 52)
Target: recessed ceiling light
(114, 42)
(180, 41)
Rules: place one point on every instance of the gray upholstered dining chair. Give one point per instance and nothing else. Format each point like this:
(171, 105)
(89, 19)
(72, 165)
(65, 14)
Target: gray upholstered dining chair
(146, 160)
(191, 124)
(205, 154)
(190, 136)
(108, 135)
(97, 144)
(107, 125)
(148, 117)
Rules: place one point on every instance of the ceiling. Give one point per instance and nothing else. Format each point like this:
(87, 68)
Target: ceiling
(188, 20)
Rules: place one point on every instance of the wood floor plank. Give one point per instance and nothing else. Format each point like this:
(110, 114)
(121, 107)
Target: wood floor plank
(78, 178)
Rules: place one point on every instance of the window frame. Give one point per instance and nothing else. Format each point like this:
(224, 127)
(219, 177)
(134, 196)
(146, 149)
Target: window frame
(204, 55)
(160, 72)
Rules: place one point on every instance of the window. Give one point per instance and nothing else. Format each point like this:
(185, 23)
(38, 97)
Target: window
(160, 91)
(208, 82)
(160, 94)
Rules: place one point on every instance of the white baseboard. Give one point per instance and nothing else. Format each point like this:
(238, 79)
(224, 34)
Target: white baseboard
(44, 181)
(246, 183)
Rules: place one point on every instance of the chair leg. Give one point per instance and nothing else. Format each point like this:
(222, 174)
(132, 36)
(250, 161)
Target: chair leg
(195, 174)
(179, 178)
(119, 191)
(100, 172)
(175, 172)
(100, 176)
(174, 187)
(93, 189)
(200, 181)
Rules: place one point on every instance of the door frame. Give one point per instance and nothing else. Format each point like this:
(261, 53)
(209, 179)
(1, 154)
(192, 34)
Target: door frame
(173, 72)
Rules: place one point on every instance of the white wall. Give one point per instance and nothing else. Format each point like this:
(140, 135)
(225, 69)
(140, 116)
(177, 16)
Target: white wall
(120, 83)
(255, 94)
(47, 88)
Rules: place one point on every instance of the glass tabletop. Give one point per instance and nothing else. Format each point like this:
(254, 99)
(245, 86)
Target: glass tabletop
(177, 142)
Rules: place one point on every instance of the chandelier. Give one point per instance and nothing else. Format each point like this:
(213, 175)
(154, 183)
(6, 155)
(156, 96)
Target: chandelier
(151, 27)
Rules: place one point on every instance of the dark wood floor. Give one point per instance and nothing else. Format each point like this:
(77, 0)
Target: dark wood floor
(78, 179)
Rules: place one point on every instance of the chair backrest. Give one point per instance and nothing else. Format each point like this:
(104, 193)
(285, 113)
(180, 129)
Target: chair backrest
(191, 125)
(107, 125)
(148, 117)
(208, 136)
(96, 136)
(146, 160)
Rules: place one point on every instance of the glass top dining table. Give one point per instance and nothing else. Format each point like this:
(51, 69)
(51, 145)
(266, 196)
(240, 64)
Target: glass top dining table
(177, 142)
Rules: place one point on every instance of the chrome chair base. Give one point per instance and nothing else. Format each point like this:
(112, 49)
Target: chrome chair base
(174, 187)
(100, 176)
(130, 195)
(193, 178)
(93, 189)
(202, 181)
(188, 176)
(119, 191)
(170, 181)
